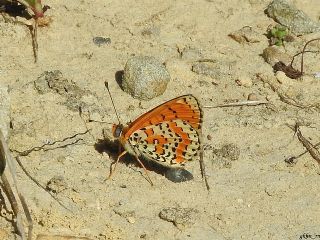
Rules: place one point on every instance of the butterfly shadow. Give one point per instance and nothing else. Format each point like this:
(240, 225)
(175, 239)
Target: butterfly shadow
(111, 147)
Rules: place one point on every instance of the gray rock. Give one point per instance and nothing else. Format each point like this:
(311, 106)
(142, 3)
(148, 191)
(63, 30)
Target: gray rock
(145, 77)
(101, 41)
(272, 55)
(180, 217)
(288, 15)
(74, 96)
(53, 81)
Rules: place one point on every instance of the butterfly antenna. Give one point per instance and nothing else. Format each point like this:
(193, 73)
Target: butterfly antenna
(114, 107)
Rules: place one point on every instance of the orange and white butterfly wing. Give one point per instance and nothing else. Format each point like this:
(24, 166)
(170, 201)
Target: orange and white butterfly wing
(169, 133)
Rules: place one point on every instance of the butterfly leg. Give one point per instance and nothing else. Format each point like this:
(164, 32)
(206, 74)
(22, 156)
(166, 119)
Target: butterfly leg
(115, 164)
(145, 170)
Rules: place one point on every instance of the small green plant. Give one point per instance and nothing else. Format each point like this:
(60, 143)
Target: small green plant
(35, 9)
(278, 35)
(34, 5)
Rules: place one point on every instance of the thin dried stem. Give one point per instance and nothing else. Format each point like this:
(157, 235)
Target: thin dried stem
(10, 186)
(34, 36)
(238, 104)
(313, 151)
(303, 51)
(203, 168)
(40, 185)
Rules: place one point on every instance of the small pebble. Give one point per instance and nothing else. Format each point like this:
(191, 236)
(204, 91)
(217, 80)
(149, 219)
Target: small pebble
(143, 235)
(145, 77)
(178, 175)
(246, 35)
(272, 55)
(131, 220)
(101, 41)
(282, 78)
(252, 97)
(244, 81)
(269, 97)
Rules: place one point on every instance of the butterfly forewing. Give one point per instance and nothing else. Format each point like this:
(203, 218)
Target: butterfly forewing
(185, 108)
(168, 133)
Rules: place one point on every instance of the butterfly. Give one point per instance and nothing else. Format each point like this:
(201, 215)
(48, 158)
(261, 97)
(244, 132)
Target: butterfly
(169, 134)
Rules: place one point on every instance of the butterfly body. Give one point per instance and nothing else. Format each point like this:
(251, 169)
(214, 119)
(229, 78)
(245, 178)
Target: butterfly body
(119, 132)
(168, 134)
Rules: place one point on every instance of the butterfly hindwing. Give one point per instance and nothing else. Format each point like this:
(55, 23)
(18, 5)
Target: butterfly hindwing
(170, 143)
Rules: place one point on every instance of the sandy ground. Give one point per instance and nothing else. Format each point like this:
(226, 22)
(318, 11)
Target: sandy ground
(257, 196)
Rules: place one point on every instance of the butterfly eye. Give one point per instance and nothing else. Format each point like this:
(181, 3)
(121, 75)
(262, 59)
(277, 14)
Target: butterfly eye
(117, 130)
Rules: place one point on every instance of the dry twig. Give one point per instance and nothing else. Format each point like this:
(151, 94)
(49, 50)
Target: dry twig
(10, 187)
(289, 70)
(313, 151)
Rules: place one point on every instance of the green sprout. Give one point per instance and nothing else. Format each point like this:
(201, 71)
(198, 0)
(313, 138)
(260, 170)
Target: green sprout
(35, 10)
(277, 35)
(34, 5)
